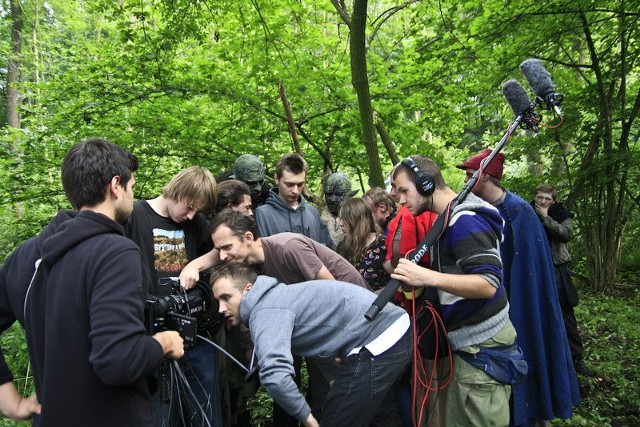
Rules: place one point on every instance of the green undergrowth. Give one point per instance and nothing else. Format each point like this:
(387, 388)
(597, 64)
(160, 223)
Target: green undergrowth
(609, 329)
(611, 336)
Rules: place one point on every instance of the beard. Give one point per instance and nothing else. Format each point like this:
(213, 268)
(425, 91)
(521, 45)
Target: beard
(122, 215)
(425, 205)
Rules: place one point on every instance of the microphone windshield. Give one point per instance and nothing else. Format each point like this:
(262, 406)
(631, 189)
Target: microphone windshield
(538, 77)
(516, 96)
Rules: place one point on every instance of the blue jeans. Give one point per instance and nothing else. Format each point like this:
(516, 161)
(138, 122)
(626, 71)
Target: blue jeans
(201, 372)
(403, 398)
(363, 383)
(200, 369)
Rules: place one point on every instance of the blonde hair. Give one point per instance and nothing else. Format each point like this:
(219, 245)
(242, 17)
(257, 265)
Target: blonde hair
(357, 215)
(193, 185)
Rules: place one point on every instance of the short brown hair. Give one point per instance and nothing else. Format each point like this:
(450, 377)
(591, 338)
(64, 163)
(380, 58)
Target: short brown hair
(380, 196)
(239, 273)
(424, 164)
(237, 222)
(292, 162)
(546, 188)
(231, 192)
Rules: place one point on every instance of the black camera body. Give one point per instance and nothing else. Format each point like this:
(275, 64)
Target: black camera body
(179, 311)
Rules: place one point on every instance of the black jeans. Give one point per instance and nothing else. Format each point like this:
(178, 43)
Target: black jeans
(570, 322)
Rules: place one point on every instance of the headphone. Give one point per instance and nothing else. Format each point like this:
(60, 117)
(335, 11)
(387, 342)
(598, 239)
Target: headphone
(425, 184)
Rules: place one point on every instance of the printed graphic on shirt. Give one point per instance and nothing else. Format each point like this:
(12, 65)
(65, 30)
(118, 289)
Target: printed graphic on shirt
(169, 251)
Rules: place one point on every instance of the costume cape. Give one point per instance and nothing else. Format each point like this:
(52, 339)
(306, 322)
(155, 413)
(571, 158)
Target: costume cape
(550, 388)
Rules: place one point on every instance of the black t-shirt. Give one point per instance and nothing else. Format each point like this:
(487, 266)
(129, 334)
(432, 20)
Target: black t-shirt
(166, 246)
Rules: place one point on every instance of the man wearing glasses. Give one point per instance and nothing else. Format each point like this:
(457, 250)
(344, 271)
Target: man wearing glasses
(172, 230)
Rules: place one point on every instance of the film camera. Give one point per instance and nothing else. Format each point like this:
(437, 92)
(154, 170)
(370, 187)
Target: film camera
(187, 312)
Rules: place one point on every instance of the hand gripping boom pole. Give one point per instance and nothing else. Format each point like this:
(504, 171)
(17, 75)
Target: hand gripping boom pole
(441, 222)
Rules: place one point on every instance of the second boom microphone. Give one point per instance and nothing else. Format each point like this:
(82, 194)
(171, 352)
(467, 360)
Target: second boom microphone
(541, 83)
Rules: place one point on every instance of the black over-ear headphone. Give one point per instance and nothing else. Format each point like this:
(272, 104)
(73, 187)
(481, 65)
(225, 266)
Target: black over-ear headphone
(425, 184)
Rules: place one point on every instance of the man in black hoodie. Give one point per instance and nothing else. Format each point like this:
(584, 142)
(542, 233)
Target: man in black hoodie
(82, 304)
(15, 276)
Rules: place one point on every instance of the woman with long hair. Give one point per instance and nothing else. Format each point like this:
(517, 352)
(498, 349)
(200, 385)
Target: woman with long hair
(363, 244)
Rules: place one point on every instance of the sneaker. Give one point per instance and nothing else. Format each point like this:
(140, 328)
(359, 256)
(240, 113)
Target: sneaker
(582, 369)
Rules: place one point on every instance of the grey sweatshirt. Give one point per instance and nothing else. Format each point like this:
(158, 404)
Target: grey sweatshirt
(319, 318)
(276, 216)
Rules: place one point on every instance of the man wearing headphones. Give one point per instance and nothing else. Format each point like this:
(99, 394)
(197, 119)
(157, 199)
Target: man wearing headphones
(466, 274)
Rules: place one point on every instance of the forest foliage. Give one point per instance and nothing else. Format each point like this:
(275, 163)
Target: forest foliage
(186, 82)
(196, 82)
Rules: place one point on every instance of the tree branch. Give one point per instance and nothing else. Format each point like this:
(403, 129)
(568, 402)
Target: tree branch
(342, 11)
(315, 146)
(289, 115)
(386, 139)
(384, 16)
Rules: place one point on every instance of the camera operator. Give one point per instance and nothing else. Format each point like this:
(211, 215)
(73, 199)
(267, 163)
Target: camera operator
(82, 305)
(172, 230)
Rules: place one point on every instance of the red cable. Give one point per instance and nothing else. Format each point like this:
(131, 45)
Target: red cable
(420, 376)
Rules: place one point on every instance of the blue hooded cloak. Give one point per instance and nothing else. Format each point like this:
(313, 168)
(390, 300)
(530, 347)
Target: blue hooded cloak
(550, 388)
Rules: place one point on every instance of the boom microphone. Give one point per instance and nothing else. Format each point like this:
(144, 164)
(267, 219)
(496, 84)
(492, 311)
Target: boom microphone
(516, 97)
(541, 83)
(521, 105)
(382, 299)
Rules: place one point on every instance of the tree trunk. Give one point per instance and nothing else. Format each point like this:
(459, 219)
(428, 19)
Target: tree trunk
(289, 115)
(360, 81)
(13, 72)
(386, 141)
(601, 190)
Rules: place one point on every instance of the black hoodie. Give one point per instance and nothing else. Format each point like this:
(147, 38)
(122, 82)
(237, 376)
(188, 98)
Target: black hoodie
(83, 315)
(15, 275)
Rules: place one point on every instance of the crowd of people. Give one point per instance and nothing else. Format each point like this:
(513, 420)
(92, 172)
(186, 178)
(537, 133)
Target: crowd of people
(480, 331)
